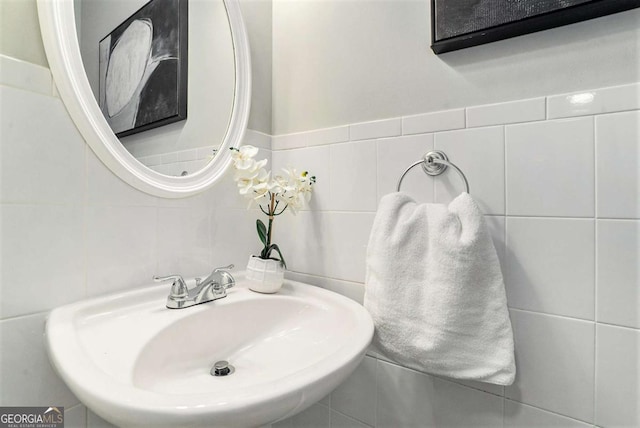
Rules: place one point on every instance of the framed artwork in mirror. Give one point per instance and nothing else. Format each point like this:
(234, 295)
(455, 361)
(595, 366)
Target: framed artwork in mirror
(459, 24)
(143, 68)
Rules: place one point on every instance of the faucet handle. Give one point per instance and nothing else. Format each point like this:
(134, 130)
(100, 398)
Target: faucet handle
(224, 268)
(179, 288)
(224, 274)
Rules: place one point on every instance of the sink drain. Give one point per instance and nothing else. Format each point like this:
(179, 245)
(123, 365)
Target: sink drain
(222, 368)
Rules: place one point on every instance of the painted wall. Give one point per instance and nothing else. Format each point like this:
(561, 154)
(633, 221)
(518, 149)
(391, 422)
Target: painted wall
(20, 31)
(339, 62)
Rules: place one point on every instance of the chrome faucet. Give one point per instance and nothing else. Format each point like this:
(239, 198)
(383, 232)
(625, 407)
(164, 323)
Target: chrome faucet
(213, 287)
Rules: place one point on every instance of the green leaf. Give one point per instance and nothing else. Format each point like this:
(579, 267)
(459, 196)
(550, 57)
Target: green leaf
(262, 231)
(275, 247)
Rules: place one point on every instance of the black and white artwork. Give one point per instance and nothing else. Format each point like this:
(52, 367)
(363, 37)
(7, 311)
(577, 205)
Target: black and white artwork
(458, 24)
(143, 69)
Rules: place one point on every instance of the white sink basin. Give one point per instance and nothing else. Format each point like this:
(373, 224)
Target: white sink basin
(136, 363)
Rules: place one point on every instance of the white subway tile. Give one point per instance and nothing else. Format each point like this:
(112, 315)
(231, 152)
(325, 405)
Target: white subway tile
(376, 129)
(75, 417)
(257, 139)
(121, 248)
(341, 421)
(326, 243)
(397, 154)
(432, 122)
(221, 196)
(618, 291)
(518, 415)
(554, 363)
(317, 137)
(352, 179)
(26, 376)
(42, 258)
(356, 396)
(479, 153)
(407, 398)
(207, 153)
(618, 165)
(187, 155)
(42, 152)
(24, 75)
(316, 416)
(312, 159)
(234, 238)
(481, 386)
(104, 188)
(550, 265)
(285, 423)
(550, 168)
(352, 290)
(153, 160)
(508, 112)
(95, 421)
(605, 100)
(194, 165)
(617, 377)
(184, 244)
(169, 157)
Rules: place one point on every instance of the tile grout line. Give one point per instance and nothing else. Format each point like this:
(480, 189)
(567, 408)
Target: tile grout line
(595, 270)
(548, 411)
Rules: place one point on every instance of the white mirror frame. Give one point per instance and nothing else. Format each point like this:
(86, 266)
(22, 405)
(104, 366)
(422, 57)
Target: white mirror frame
(57, 23)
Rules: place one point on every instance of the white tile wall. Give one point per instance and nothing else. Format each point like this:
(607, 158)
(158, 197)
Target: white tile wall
(356, 397)
(75, 417)
(316, 161)
(314, 138)
(605, 100)
(618, 165)
(576, 330)
(504, 113)
(377, 129)
(617, 377)
(410, 399)
(23, 75)
(618, 293)
(518, 415)
(26, 377)
(352, 176)
(479, 153)
(563, 195)
(397, 154)
(555, 360)
(50, 172)
(550, 265)
(546, 162)
(432, 122)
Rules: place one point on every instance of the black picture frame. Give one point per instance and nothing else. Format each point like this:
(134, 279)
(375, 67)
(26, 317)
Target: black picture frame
(579, 10)
(160, 96)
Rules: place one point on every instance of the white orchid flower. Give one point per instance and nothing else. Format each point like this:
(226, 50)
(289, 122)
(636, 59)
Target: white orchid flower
(243, 158)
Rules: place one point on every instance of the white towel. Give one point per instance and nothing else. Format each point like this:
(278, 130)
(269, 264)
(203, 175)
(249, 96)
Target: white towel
(435, 290)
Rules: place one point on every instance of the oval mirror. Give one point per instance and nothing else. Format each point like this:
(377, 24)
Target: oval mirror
(170, 77)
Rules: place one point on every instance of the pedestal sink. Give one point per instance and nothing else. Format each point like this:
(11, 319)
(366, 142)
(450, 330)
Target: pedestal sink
(136, 363)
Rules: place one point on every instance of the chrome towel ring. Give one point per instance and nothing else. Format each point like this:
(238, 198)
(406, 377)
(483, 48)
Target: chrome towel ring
(434, 163)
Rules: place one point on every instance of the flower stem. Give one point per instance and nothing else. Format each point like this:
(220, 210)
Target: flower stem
(271, 211)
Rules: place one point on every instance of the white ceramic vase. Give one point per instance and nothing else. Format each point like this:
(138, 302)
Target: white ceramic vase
(265, 275)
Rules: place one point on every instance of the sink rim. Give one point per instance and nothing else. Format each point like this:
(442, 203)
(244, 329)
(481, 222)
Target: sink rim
(100, 390)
